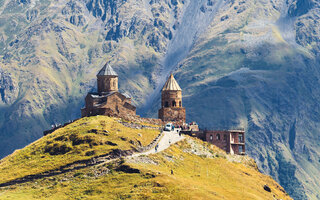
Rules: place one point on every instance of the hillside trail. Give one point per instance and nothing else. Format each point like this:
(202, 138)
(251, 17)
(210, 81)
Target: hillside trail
(169, 138)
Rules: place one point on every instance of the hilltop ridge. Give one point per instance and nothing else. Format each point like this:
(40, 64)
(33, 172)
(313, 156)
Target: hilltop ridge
(185, 169)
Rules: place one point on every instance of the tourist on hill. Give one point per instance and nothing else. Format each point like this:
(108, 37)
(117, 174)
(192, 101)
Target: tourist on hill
(156, 148)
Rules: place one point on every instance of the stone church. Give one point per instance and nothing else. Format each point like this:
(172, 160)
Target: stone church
(108, 100)
(171, 103)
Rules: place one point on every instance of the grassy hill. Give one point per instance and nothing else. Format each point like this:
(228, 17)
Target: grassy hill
(81, 140)
(190, 169)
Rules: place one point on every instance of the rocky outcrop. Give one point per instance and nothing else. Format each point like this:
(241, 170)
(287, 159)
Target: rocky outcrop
(300, 7)
(140, 24)
(105, 9)
(32, 14)
(8, 88)
(74, 13)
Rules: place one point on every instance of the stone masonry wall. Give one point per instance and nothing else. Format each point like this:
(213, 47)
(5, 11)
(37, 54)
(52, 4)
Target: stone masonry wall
(168, 97)
(107, 84)
(177, 115)
(114, 105)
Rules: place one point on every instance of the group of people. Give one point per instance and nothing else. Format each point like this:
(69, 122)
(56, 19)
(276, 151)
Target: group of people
(55, 126)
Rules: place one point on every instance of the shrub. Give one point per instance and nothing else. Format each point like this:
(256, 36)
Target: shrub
(77, 140)
(61, 138)
(110, 143)
(78, 174)
(58, 148)
(90, 153)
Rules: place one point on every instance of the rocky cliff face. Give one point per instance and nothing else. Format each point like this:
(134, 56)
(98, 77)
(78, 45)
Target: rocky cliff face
(8, 88)
(251, 64)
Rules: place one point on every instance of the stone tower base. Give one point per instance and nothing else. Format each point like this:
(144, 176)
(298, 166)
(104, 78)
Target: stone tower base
(173, 114)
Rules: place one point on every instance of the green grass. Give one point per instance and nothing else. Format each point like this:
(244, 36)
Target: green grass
(216, 176)
(83, 139)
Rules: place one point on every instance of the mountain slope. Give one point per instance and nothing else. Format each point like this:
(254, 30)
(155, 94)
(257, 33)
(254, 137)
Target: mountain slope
(51, 52)
(199, 170)
(258, 75)
(248, 63)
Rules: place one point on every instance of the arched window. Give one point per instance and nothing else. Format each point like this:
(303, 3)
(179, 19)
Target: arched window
(166, 104)
(180, 104)
(211, 137)
(218, 136)
(174, 104)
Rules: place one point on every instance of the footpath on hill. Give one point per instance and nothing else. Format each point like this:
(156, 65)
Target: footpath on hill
(167, 139)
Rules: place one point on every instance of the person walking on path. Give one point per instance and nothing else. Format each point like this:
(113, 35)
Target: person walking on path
(156, 147)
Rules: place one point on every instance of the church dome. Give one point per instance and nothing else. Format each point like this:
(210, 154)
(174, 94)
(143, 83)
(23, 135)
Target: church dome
(171, 84)
(107, 70)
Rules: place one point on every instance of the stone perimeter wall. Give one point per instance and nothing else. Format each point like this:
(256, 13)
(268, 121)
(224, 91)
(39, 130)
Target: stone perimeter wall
(138, 119)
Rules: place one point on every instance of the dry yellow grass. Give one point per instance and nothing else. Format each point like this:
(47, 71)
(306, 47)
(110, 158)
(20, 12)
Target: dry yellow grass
(201, 177)
(200, 171)
(83, 139)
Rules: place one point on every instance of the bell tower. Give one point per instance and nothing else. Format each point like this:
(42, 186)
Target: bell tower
(171, 95)
(107, 80)
(171, 102)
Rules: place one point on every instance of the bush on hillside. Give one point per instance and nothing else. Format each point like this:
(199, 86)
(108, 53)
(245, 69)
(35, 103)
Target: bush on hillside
(58, 148)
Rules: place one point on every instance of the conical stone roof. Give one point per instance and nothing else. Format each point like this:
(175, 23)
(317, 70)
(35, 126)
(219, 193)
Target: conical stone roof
(107, 70)
(171, 84)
